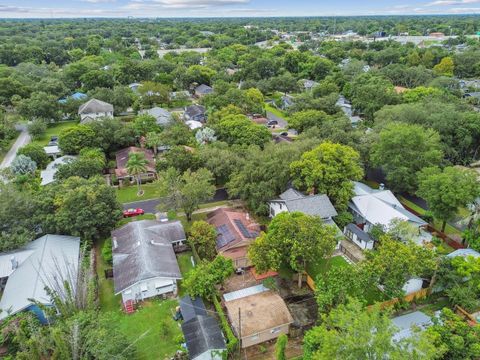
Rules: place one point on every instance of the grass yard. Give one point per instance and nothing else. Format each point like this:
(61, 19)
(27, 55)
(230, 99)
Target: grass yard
(108, 301)
(136, 218)
(195, 217)
(372, 294)
(185, 264)
(128, 194)
(276, 112)
(53, 130)
(152, 330)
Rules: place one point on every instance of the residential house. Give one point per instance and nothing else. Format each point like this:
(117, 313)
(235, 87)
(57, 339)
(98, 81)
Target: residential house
(179, 95)
(203, 337)
(409, 324)
(308, 85)
(95, 109)
(292, 200)
(346, 107)
(202, 90)
(162, 116)
(52, 150)
(257, 314)
(75, 96)
(371, 207)
(193, 124)
(464, 253)
(48, 175)
(359, 237)
(122, 158)
(25, 273)
(144, 261)
(195, 112)
(134, 87)
(287, 101)
(235, 232)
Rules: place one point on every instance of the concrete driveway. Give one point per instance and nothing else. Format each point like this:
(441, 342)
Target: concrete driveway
(282, 123)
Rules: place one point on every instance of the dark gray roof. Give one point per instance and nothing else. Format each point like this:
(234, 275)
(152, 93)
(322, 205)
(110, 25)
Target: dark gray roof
(202, 333)
(203, 89)
(194, 110)
(317, 205)
(95, 106)
(362, 235)
(190, 308)
(143, 250)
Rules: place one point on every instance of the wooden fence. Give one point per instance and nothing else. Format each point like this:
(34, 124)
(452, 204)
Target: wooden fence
(417, 295)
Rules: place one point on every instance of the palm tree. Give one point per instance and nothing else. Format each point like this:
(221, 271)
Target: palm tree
(153, 140)
(136, 166)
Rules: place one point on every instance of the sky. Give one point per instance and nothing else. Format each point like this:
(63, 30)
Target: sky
(229, 8)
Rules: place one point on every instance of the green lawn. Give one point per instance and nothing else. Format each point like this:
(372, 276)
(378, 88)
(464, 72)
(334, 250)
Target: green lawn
(53, 130)
(128, 194)
(185, 264)
(151, 329)
(276, 112)
(136, 218)
(108, 301)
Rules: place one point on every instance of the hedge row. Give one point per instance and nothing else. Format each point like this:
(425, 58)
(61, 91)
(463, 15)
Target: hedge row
(232, 341)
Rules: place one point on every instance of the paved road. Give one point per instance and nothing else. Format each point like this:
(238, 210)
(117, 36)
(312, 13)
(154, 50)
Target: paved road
(149, 206)
(22, 140)
(282, 123)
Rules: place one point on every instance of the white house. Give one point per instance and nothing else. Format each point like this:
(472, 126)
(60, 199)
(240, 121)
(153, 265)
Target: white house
(359, 237)
(371, 207)
(25, 273)
(48, 175)
(144, 263)
(94, 109)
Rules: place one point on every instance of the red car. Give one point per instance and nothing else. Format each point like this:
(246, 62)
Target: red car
(133, 212)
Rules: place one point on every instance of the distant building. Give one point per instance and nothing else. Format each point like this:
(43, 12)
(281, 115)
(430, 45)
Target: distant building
(122, 156)
(257, 314)
(144, 262)
(75, 96)
(203, 90)
(406, 324)
(25, 273)
(95, 109)
(162, 116)
(195, 112)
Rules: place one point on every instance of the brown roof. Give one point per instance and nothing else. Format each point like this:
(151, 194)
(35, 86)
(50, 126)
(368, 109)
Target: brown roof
(234, 228)
(258, 312)
(122, 159)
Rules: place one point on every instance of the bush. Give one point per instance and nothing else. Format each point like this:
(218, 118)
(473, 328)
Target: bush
(343, 219)
(107, 251)
(280, 347)
(232, 341)
(36, 128)
(36, 153)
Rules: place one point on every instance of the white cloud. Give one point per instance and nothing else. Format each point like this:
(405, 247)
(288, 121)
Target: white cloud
(99, 1)
(452, 2)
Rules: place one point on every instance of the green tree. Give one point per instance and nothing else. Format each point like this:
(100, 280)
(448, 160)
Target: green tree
(40, 106)
(37, 128)
(204, 277)
(153, 93)
(420, 93)
(293, 239)
(79, 207)
(200, 74)
(153, 140)
(328, 169)
(74, 139)
(402, 150)
(136, 166)
(455, 337)
(186, 191)
(36, 153)
(144, 124)
(445, 67)
(238, 129)
(353, 332)
(203, 237)
(17, 218)
(447, 190)
(303, 120)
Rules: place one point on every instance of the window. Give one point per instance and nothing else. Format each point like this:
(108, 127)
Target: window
(254, 337)
(349, 234)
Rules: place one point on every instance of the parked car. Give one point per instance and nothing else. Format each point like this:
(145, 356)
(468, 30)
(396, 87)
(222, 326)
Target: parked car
(54, 138)
(272, 122)
(133, 212)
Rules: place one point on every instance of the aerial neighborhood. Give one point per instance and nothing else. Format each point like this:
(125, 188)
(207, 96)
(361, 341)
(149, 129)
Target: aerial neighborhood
(240, 188)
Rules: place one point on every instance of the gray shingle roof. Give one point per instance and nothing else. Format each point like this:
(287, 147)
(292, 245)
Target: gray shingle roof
(95, 106)
(362, 235)
(316, 205)
(202, 333)
(190, 308)
(39, 262)
(203, 89)
(163, 117)
(143, 250)
(194, 110)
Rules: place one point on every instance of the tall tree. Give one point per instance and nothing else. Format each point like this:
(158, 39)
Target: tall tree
(328, 169)
(402, 150)
(203, 237)
(293, 239)
(136, 166)
(447, 190)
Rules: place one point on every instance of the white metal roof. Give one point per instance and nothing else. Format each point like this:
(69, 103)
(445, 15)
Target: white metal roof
(253, 290)
(464, 253)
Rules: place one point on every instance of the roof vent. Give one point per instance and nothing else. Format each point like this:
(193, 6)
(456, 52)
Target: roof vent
(381, 186)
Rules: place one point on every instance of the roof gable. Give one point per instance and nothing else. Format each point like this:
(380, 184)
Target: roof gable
(95, 106)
